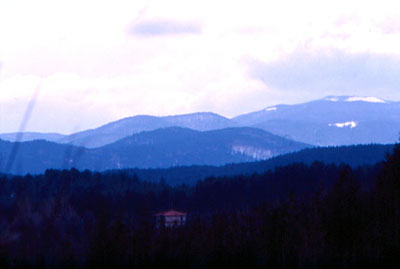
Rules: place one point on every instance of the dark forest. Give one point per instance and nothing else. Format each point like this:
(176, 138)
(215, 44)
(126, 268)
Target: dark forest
(296, 216)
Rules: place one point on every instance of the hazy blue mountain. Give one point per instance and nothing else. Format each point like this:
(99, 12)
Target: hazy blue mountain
(334, 120)
(36, 156)
(30, 136)
(114, 131)
(177, 146)
(173, 146)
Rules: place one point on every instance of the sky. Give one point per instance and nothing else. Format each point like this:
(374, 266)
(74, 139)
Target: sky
(86, 63)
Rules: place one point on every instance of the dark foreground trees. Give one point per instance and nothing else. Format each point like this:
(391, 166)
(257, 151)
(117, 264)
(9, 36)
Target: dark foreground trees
(295, 217)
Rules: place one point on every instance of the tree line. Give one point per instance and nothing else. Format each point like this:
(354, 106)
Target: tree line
(296, 216)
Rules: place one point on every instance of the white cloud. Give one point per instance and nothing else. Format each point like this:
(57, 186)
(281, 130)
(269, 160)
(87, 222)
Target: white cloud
(165, 27)
(332, 72)
(89, 61)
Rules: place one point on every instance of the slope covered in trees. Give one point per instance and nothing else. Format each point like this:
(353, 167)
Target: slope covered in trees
(295, 216)
(354, 156)
(165, 149)
(161, 148)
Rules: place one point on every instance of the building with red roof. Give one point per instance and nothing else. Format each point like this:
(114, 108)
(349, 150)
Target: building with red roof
(170, 218)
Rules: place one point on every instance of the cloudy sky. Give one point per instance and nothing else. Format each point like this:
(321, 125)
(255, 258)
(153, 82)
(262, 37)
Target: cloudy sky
(91, 62)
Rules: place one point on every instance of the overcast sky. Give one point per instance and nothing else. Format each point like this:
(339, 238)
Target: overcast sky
(97, 61)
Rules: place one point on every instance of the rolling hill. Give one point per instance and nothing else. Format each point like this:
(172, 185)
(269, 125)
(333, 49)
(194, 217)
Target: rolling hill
(161, 148)
(117, 130)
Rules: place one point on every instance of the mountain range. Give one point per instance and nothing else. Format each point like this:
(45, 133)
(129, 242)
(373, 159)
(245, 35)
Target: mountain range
(334, 120)
(206, 138)
(161, 148)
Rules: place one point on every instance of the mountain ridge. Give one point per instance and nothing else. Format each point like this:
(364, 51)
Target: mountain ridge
(332, 120)
(119, 129)
(159, 148)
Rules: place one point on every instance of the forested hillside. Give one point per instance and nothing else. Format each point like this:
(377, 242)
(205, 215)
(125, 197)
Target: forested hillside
(161, 148)
(200, 156)
(354, 156)
(295, 216)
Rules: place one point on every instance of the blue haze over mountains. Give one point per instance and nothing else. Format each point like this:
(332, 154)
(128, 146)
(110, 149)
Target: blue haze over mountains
(331, 121)
(210, 139)
(161, 148)
(315, 123)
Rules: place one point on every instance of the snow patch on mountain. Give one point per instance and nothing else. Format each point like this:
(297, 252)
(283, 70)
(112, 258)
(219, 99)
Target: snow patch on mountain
(365, 99)
(271, 108)
(351, 124)
(253, 152)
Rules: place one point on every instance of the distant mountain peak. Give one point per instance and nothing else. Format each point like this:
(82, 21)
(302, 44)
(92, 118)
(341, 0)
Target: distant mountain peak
(198, 115)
